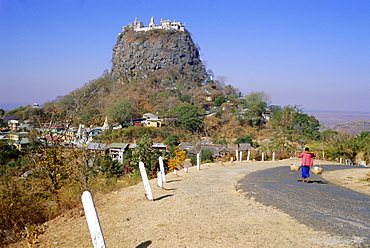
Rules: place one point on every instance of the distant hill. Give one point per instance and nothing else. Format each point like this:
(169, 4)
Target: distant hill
(353, 127)
(349, 122)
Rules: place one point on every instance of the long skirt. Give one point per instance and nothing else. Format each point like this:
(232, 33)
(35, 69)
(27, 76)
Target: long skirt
(305, 171)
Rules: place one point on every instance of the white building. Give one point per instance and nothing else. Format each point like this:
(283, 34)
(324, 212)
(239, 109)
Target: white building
(166, 25)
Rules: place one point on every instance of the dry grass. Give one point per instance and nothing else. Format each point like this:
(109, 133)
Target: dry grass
(24, 208)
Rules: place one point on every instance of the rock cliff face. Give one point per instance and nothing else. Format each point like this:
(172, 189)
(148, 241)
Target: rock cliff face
(139, 55)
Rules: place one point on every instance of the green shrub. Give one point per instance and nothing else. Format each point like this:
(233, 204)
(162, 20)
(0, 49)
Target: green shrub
(244, 139)
(207, 155)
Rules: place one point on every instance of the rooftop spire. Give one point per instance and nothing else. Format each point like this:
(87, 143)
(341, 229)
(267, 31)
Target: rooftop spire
(152, 24)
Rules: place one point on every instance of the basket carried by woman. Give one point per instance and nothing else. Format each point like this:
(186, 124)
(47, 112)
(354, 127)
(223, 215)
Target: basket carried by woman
(317, 170)
(295, 167)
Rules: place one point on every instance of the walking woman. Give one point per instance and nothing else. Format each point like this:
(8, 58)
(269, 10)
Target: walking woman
(307, 162)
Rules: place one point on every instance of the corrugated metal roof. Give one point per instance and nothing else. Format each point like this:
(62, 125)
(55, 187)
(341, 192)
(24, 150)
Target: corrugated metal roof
(118, 145)
(96, 146)
(245, 146)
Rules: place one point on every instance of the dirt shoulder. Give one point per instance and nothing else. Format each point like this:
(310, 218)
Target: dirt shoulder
(354, 179)
(197, 209)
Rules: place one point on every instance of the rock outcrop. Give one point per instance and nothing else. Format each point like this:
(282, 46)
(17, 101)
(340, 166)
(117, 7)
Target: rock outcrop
(164, 53)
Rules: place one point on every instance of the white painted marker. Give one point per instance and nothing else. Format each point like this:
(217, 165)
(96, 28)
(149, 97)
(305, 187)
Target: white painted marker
(198, 161)
(161, 168)
(145, 181)
(160, 180)
(92, 220)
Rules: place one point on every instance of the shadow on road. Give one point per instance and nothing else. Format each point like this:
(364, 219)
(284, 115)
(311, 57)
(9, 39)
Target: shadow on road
(144, 244)
(173, 181)
(162, 197)
(314, 181)
(170, 189)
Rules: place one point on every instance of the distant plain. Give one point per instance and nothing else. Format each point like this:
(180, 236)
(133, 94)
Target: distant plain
(350, 122)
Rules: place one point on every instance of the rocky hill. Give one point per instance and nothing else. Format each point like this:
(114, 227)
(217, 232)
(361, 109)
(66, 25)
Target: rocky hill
(165, 52)
(155, 69)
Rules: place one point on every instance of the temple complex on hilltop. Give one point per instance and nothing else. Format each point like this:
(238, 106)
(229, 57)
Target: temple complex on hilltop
(166, 25)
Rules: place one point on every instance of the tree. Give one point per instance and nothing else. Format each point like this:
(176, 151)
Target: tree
(189, 117)
(2, 123)
(335, 144)
(256, 97)
(291, 125)
(86, 102)
(145, 153)
(294, 125)
(54, 165)
(177, 160)
(121, 112)
(7, 152)
(282, 125)
(255, 104)
(306, 126)
(207, 155)
(172, 140)
(360, 145)
(220, 100)
(110, 168)
(88, 163)
(244, 139)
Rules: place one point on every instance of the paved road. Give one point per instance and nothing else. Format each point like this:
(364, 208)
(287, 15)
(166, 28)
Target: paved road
(319, 204)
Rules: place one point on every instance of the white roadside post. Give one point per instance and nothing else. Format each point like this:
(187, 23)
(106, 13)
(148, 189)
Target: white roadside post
(161, 168)
(249, 155)
(186, 166)
(241, 156)
(145, 181)
(273, 156)
(198, 161)
(92, 220)
(237, 154)
(160, 180)
(340, 161)
(263, 156)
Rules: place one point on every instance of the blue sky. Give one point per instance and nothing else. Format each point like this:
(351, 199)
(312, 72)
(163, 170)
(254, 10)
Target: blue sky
(313, 53)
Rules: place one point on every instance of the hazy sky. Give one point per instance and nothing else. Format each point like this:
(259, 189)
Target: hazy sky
(314, 53)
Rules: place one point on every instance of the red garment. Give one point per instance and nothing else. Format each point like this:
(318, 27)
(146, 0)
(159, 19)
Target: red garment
(307, 158)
